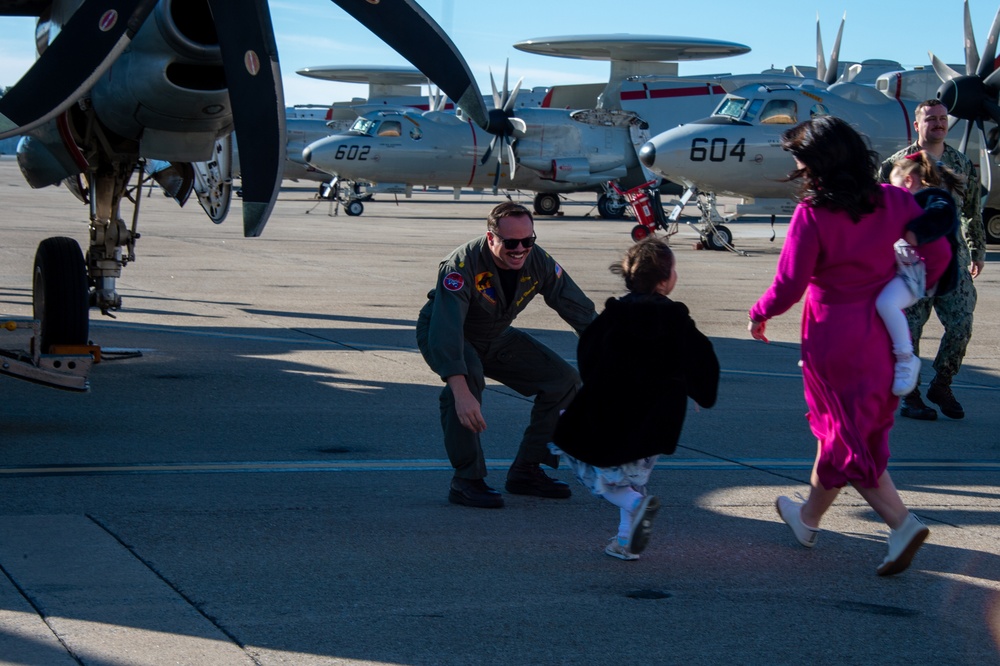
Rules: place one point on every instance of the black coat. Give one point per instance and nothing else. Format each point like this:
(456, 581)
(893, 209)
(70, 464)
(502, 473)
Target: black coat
(940, 218)
(639, 361)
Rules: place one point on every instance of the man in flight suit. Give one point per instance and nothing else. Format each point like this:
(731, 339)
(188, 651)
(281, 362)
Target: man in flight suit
(464, 333)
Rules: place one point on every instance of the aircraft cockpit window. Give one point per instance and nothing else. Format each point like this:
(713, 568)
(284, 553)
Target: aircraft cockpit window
(363, 126)
(731, 107)
(390, 128)
(753, 110)
(818, 110)
(779, 112)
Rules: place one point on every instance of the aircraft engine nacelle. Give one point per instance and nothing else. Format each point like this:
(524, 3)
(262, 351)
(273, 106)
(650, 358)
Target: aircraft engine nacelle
(44, 158)
(168, 89)
(577, 170)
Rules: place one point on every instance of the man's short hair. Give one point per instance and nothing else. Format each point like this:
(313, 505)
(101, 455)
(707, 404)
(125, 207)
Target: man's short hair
(926, 104)
(506, 209)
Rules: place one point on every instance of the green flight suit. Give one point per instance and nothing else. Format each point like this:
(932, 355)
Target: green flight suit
(465, 329)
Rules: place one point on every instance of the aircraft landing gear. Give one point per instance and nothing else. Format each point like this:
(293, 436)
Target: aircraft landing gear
(611, 207)
(60, 294)
(546, 203)
(354, 208)
(991, 220)
(714, 235)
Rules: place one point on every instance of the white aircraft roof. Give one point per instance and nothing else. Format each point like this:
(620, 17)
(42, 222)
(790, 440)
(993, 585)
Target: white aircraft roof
(646, 48)
(388, 75)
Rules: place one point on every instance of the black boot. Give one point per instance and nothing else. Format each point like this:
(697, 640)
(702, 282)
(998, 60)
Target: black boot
(529, 479)
(474, 492)
(915, 408)
(939, 392)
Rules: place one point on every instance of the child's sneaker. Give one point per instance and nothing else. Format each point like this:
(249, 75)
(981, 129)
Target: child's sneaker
(619, 550)
(642, 523)
(906, 374)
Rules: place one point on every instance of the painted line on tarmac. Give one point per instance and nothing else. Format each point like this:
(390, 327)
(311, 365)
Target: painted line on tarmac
(438, 465)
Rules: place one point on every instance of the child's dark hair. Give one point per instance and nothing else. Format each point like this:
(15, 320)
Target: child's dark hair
(646, 264)
(930, 174)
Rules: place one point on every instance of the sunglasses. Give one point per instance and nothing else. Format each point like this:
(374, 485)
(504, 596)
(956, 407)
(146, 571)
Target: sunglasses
(512, 243)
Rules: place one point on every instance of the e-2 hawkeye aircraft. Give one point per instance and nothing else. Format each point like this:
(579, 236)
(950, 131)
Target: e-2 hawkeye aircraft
(546, 150)
(737, 150)
(185, 76)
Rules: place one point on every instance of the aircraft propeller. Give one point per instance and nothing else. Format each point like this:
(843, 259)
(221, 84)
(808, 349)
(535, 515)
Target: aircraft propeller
(426, 46)
(823, 73)
(503, 125)
(973, 96)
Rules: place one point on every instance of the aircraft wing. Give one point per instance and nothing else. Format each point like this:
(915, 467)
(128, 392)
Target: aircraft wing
(86, 46)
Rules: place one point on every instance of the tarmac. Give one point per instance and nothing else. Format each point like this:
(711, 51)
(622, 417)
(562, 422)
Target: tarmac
(265, 482)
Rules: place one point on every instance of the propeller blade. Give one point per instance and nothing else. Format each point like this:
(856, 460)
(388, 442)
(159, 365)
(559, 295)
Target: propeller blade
(518, 127)
(965, 136)
(831, 72)
(91, 40)
(250, 59)
(497, 102)
(944, 71)
(820, 56)
(411, 32)
(513, 96)
(992, 82)
(511, 158)
(506, 71)
(489, 149)
(971, 50)
(989, 53)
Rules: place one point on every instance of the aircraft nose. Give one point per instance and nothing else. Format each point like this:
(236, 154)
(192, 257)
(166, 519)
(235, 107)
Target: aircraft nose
(647, 154)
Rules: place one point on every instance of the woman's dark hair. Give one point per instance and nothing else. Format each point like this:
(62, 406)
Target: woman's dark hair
(838, 170)
(646, 264)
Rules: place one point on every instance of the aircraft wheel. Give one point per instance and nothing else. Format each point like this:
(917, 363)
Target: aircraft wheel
(721, 238)
(639, 232)
(354, 208)
(61, 295)
(991, 217)
(609, 208)
(546, 203)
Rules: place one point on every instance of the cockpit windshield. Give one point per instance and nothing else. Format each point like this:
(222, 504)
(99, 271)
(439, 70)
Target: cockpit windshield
(364, 126)
(731, 107)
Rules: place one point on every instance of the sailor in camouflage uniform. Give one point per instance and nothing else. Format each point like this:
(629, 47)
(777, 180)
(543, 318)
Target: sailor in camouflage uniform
(464, 333)
(955, 308)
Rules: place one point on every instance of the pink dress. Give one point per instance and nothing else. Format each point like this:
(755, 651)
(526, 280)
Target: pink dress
(847, 361)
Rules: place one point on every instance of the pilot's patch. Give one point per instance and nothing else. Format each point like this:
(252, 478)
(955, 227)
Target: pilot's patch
(453, 281)
(484, 284)
(558, 271)
(108, 20)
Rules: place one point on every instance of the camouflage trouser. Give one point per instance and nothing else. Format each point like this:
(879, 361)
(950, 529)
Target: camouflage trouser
(954, 310)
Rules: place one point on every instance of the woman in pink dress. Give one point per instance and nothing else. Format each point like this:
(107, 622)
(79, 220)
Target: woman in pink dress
(839, 254)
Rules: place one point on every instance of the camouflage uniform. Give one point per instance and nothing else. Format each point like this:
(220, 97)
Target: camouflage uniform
(955, 308)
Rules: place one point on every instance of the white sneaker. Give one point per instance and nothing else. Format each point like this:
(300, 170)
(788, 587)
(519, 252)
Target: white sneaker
(906, 375)
(790, 512)
(622, 552)
(903, 545)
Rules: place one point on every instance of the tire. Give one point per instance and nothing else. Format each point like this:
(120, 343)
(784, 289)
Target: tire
(354, 208)
(60, 293)
(639, 232)
(991, 220)
(610, 209)
(546, 203)
(721, 239)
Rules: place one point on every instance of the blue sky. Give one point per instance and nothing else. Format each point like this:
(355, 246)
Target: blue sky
(317, 32)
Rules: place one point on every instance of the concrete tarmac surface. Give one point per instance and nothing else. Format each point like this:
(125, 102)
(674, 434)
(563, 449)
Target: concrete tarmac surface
(266, 483)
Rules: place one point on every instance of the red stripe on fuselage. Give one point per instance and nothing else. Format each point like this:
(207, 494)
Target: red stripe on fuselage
(662, 93)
